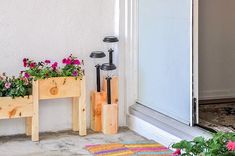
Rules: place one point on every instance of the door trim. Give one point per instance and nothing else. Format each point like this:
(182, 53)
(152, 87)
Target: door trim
(195, 62)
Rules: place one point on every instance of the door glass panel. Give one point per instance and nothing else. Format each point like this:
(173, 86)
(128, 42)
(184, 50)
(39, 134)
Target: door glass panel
(164, 57)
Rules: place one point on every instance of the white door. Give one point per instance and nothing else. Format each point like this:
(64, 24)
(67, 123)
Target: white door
(165, 57)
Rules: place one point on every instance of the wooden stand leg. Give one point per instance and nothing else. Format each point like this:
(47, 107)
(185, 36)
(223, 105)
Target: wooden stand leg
(82, 108)
(35, 118)
(28, 126)
(75, 114)
(110, 118)
(97, 100)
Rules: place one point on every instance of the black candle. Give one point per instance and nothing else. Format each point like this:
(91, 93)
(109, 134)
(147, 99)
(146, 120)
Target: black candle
(109, 101)
(110, 56)
(98, 77)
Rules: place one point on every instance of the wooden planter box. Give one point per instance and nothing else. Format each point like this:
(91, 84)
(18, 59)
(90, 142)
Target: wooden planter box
(65, 87)
(16, 108)
(52, 88)
(20, 108)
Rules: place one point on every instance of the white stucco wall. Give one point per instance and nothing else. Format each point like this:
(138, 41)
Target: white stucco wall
(52, 29)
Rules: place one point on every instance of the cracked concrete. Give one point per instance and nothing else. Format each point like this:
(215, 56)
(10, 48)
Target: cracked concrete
(65, 143)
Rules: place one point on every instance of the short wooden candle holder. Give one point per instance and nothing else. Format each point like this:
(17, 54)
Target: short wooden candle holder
(97, 101)
(110, 118)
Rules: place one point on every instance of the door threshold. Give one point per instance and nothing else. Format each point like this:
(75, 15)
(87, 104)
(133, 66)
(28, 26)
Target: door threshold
(161, 128)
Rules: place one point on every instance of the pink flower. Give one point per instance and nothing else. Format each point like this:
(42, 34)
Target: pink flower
(231, 146)
(26, 75)
(7, 85)
(177, 152)
(75, 73)
(77, 62)
(54, 65)
(47, 61)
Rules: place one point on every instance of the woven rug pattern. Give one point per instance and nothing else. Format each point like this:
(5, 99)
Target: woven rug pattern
(141, 149)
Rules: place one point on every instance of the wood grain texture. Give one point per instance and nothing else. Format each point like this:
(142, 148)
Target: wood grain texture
(35, 117)
(16, 108)
(97, 100)
(110, 118)
(82, 108)
(75, 114)
(114, 88)
(59, 87)
(28, 126)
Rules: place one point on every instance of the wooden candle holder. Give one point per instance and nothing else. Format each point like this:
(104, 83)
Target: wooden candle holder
(110, 118)
(97, 100)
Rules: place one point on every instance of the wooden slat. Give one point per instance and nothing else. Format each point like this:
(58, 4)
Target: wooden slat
(35, 118)
(114, 88)
(15, 108)
(110, 118)
(75, 114)
(97, 100)
(82, 108)
(59, 87)
(28, 126)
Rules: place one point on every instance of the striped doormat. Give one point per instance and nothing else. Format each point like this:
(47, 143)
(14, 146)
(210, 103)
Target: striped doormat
(141, 149)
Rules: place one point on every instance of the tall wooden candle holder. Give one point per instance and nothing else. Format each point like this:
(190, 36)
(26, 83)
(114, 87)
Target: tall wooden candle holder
(97, 97)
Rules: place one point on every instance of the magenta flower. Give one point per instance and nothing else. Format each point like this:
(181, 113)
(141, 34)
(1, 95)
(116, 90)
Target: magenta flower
(69, 61)
(7, 85)
(77, 62)
(177, 153)
(231, 146)
(26, 75)
(75, 73)
(47, 61)
(25, 62)
(54, 65)
(64, 61)
(32, 65)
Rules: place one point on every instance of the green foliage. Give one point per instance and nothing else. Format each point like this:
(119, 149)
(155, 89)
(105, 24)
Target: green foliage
(216, 146)
(15, 87)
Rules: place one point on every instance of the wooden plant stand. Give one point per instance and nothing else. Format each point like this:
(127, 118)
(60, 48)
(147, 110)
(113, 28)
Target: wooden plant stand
(62, 87)
(21, 108)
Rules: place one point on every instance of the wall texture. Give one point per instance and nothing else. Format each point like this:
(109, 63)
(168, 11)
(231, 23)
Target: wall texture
(216, 49)
(52, 29)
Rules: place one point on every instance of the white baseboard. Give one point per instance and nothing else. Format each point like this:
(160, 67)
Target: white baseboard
(150, 131)
(216, 94)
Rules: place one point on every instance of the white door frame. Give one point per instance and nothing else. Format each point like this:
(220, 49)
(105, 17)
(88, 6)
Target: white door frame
(195, 61)
(129, 28)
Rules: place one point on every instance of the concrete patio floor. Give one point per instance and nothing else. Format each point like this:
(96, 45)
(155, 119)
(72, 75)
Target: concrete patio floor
(65, 143)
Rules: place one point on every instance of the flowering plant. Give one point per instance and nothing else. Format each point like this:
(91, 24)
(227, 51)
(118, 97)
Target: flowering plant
(46, 69)
(221, 144)
(15, 87)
